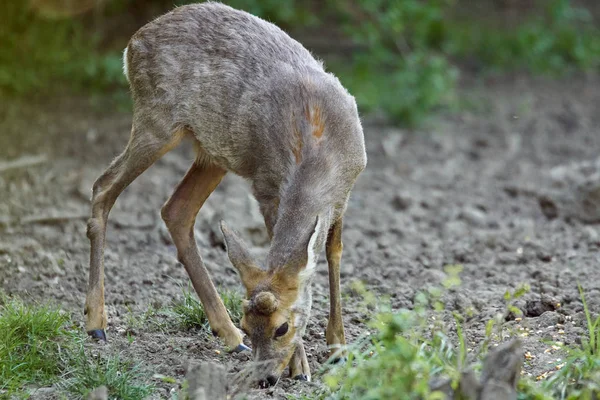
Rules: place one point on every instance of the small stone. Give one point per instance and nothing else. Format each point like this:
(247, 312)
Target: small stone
(549, 318)
(474, 216)
(548, 207)
(544, 256)
(401, 201)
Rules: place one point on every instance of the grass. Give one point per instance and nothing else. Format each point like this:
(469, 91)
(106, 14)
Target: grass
(579, 375)
(400, 353)
(121, 377)
(190, 314)
(40, 347)
(407, 349)
(33, 341)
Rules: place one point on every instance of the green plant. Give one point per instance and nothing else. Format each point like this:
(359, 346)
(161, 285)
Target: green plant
(121, 377)
(40, 346)
(397, 67)
(407, 351)
(190, 312)
(32, 343)
(39, 52)
(404, 58)
(559, 39)
(578, 377)
(398, 361)
(233, 303)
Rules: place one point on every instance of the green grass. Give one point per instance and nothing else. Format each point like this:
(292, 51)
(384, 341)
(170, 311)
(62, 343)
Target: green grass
(579, 376)
(40, 346)
(32, 344)
(190, 314)
(407, 349)
(122, 377)
(41, 54)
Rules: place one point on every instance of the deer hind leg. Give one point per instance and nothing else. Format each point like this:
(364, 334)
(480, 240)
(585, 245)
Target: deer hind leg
(179, 214)
(299, 368)
(143, 149)
(335, 327)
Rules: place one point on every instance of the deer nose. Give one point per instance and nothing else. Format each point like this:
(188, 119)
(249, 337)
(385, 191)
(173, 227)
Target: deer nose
(270, 381)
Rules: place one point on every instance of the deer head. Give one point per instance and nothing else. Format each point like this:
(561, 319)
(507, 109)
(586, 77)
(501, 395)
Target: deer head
(278, 300)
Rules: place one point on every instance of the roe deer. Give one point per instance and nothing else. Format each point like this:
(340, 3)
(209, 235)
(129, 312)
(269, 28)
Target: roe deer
(256, 103)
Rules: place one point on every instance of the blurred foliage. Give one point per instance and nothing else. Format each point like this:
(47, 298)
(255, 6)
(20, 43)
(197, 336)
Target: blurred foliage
(398, 67)
(559, 39)
(39, 52)
(405, 59)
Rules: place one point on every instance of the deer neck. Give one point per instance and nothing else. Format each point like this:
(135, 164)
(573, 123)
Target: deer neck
(305, 196)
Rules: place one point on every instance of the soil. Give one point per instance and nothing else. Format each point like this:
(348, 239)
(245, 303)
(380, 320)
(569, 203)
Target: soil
(476, 187)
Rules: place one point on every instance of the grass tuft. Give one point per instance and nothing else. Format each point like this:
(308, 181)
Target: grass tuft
(121, 377)
(41, 347)
(191, 315)
(33, 340)
(407, 350)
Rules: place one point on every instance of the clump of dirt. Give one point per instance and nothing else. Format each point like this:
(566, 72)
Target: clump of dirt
(478, 188)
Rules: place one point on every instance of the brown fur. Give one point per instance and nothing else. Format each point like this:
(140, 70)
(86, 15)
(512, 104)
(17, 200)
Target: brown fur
(297, 149)
(316, 122)
(257, 104)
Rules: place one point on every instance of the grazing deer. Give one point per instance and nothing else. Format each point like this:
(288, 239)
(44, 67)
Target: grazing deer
(256, 103)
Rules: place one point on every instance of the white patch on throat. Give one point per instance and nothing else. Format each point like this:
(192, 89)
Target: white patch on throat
(304, 302)
(312, 258)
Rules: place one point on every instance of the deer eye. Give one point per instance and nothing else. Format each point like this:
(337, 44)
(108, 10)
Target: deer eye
(282, 330)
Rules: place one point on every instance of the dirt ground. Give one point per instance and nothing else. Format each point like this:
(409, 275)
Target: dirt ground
(490, 187)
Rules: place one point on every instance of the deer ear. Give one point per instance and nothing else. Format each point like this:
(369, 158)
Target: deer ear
(240, 258)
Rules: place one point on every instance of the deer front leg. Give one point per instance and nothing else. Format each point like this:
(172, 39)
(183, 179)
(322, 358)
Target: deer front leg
(179, 214)
(299, 368)
(139, 154)
(335, 327)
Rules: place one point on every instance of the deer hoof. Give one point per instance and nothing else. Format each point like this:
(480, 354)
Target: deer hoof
(98, 334)
(301, 377)
(241, 347)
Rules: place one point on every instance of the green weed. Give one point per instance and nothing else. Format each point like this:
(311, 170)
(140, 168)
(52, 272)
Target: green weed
(33, 340)
(396, 68)
(579, 375)
(41, 347)
(121, 377)
(406, 350)
(191, 315)
(560, 39)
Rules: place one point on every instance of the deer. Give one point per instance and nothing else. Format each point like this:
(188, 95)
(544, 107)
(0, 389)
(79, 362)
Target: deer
(254, 102)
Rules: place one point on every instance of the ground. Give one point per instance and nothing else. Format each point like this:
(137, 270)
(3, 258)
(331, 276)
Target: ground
(469, 189)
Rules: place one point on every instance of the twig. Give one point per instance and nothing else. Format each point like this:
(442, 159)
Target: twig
(23, 162)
